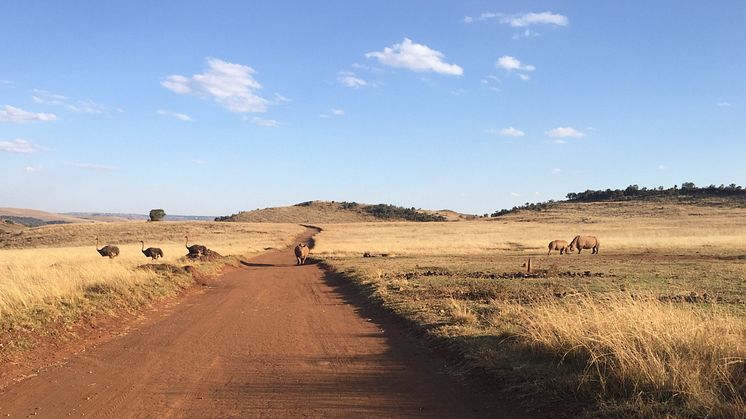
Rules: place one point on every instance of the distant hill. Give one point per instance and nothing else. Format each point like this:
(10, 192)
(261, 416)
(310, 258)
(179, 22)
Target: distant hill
(688, 194)
(117, 217)
(326, 212)
(36, 218)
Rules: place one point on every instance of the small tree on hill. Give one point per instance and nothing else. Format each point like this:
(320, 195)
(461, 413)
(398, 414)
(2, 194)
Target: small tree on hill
(157, 214)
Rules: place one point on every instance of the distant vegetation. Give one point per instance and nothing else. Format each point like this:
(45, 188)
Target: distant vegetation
(392, 212)
(28, 221)
(157, 214)
(634, 192)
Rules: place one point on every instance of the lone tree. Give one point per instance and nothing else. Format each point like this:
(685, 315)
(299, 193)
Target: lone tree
(157, 214)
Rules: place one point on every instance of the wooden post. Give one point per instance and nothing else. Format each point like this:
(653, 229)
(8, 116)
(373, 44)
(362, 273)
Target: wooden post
(528, 266)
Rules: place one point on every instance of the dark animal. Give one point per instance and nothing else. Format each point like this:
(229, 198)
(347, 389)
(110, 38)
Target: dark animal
(195, 249)
(584, 242)
(301, 253)
(108, 250)
(151, 252)
(560, 245)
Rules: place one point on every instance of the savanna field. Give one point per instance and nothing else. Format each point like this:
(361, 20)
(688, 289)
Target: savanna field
(652, 326)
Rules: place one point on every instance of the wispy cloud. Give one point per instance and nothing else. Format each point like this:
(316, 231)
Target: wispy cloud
(528, 19)
(95, 167)
(16, 115)
(332, 112)
(279, 99)
(20, 146)
(522, 20)
(177, 115)
(83, 106)
(564, 132)
(415, 57)
(231, 85)
(32, 169)
(512, 64)
(7, 83)
(556, 170)
(724, 104)
(515, 194)
(511, 132)
(267, 123)
(662, 167)
(350, 79)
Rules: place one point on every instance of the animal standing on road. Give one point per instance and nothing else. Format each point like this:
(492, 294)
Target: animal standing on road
(560, 245)
(301, 253)
(195, 249)
(108, 250)
(151, 252)
(585, 242)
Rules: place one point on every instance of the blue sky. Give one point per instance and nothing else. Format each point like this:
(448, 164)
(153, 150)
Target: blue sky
(211, 108)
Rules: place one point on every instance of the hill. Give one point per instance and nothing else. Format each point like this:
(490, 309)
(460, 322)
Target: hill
(327, 212)
(35, 218)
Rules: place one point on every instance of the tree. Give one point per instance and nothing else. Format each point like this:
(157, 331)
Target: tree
(157, 214)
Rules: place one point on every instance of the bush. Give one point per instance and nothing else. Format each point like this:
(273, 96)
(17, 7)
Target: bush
(157, 214)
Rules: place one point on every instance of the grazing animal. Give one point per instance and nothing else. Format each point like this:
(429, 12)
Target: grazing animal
(560, 245)
(108, 250)
(301, 253)
(195, 249)
(151, 252)
(585, 242)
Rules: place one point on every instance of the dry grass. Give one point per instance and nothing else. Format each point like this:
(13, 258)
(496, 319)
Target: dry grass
(591, 327)
(633, 347)
(39, 285)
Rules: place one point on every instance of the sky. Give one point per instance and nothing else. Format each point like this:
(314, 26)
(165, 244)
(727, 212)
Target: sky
(210, 108)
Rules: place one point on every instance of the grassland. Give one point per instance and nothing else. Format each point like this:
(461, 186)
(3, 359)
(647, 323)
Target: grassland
(653, 326)
(53, 275)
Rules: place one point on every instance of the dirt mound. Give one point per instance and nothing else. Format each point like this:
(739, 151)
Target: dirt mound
(206, 256)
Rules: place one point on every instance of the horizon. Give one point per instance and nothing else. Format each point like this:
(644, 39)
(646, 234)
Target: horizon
(471, 107)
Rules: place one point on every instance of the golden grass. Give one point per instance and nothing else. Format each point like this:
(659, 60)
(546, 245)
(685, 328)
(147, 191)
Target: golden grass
(619, 345)
(631, 346)
(38, 285)
(465, 238)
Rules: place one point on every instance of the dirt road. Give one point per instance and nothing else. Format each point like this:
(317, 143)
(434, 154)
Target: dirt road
(268, 340)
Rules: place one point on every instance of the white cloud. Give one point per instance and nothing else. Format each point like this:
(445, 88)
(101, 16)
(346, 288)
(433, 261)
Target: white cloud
(17, 115)
(515, 194)
(350, 79)
(564, 132)
(527, 19)
(559, 141)
(415, 57)
(662, 167)
(32, 169)
(528, 33)
(511, 132)
(20, 146)
(268, 123)
(95, 167)
(280, 99)
(522, 20)
(332, 113)
(83, 106)
(512, 64)
(230, 85)
(724, 104)
(177, 115)
(556, 170)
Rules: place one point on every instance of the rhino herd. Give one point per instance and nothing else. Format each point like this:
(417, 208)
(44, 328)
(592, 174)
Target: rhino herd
(579, 242)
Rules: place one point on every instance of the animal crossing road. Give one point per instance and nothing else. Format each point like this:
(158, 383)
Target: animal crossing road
(268, 340)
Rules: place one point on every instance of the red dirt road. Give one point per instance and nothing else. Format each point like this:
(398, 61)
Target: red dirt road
(268, 340)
